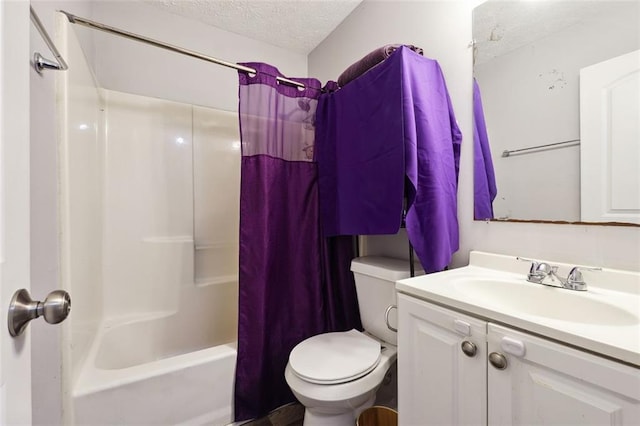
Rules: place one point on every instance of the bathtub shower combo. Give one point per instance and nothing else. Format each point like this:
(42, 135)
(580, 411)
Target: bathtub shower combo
(149, 226)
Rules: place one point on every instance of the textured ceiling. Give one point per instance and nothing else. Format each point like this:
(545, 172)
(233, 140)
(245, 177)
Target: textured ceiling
(502, 26)
(298, 25)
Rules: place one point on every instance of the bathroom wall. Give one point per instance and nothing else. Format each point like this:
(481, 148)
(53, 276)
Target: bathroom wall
(132, 67)
(443, 29)
(530, 98)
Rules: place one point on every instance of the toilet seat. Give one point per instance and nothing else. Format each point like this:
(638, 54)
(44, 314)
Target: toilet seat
(333, 358)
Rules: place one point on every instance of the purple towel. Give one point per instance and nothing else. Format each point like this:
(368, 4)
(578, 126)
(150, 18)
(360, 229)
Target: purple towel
(371, 60)
(484, 180)
(390, 132)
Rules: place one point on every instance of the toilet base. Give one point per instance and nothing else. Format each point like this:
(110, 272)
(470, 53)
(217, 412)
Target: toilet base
(335, 416)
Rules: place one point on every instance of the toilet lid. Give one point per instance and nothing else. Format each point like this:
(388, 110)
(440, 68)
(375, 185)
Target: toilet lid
(332, 358)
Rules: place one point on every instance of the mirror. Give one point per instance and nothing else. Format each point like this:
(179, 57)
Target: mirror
(559, 84)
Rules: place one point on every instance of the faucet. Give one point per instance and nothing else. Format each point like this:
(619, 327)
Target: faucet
(546, 274)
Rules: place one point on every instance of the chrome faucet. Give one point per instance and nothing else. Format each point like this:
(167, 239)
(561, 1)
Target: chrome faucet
(545, 274)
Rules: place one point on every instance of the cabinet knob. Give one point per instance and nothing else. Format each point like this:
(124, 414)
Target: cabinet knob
(469, 348)
(498, 360)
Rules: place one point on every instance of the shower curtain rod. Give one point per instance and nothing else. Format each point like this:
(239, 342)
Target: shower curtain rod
(40, 62)
(126, 34)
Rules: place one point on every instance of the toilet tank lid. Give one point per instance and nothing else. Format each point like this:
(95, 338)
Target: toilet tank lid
(385, 268)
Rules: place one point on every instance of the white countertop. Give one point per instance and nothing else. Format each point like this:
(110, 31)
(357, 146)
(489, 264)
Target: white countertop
(544, 314)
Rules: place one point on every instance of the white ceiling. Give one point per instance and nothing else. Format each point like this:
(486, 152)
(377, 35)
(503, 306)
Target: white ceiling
(502, 26)
(298, 25)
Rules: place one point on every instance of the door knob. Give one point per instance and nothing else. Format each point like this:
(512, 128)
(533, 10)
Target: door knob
(23, 309)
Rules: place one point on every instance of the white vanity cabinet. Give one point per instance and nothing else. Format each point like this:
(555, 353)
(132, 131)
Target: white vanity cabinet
(552, 384)
(438, 383)
(543, 382)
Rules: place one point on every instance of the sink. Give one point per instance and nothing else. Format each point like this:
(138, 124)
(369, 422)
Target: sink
(543, 301)
(605, 319)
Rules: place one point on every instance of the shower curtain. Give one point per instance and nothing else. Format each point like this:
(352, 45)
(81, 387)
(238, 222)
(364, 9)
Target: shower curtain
(293, 283)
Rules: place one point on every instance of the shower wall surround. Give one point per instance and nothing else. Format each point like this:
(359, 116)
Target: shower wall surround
(140, 253)
(148, 239)
(81, 193)
(172, 184)
(443, 29)
(216, 202)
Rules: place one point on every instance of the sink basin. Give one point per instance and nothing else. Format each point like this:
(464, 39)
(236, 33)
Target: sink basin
(543, 301)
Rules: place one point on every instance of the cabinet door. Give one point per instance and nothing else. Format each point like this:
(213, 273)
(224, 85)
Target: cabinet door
(552, 384)
(437, 383)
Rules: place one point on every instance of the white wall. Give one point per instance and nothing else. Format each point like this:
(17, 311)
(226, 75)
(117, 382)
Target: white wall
(132, 67)
(443, 29)
(530, 98)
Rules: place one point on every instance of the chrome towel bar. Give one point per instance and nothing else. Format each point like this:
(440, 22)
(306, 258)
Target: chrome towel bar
(568, 143)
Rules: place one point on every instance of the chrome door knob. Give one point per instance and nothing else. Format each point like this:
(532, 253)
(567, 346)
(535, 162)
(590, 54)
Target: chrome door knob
(498, 360)
(469, 348)
(23, 309)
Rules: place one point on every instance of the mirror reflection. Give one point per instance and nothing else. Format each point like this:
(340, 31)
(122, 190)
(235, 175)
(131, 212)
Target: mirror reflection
(559, 83)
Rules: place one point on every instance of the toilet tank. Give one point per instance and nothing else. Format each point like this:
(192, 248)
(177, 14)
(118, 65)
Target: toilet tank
(375, 284)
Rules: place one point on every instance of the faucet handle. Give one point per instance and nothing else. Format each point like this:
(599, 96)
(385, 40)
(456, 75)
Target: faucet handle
(575, 280)
(534, 263)
(539, 270)
(534, 275)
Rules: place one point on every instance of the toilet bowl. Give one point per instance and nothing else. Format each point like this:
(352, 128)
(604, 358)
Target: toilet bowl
(337, 399)
(336, 375)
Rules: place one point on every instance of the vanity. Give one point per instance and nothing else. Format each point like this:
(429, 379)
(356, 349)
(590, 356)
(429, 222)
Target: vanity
(483, 345)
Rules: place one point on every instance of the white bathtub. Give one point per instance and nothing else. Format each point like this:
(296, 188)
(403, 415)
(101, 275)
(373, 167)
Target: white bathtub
(164, 368)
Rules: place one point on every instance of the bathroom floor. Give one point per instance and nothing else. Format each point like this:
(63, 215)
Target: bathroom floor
(293, 414)
(289, 415)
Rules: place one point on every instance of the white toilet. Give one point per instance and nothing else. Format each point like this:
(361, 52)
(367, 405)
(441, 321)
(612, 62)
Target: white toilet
(336, 375)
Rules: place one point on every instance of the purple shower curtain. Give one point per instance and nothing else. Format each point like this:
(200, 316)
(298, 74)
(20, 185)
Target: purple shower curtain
(293, 283)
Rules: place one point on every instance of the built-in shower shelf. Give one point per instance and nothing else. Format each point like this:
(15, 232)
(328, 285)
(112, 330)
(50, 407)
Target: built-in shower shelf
(225, 279)
(169, 239)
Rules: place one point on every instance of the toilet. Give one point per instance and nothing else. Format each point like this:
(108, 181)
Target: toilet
(336, 375)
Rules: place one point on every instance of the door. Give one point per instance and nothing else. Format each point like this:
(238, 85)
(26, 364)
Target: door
(438, 383)
(15, 354)
(609, 133)
(546, 383)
